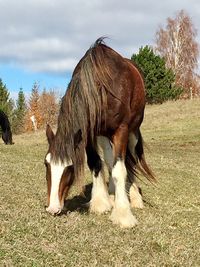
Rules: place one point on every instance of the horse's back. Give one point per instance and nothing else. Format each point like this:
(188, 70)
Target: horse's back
(126, 99)
(110, 89)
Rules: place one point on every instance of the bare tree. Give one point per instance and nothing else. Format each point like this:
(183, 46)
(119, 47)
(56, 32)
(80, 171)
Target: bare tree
(177, 44)
(48, 107)
(33, 116)
(43, 109)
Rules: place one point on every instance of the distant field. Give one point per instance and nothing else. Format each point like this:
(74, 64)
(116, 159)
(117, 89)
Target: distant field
(168, 233)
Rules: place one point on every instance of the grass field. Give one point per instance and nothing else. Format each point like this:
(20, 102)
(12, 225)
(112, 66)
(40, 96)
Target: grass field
(168, 233)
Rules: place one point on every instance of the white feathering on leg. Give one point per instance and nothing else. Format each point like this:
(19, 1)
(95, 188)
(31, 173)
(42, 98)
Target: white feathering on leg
(100, 201)
(121, 213)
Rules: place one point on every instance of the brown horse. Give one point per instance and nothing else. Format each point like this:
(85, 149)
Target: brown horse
(105, 99)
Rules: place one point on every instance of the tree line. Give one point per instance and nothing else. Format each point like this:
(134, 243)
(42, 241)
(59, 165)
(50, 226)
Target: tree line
(169, 70)
(43, 107)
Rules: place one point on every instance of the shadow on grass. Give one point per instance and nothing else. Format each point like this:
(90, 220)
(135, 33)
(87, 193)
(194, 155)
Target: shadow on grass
(79, 203)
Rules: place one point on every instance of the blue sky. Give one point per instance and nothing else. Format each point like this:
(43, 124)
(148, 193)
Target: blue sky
(43, 40)
(15, 78)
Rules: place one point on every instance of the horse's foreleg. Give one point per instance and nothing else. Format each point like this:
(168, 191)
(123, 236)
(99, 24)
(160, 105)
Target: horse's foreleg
(121, 213)
(105, 151)
(100, 201)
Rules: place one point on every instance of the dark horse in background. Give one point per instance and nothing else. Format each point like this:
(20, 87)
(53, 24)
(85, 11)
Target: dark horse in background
(101, 113)
(6, 130)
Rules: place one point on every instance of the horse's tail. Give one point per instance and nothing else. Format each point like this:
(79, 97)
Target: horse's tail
(137, 164)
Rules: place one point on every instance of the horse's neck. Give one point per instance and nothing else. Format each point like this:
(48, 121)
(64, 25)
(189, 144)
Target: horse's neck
(4, 125)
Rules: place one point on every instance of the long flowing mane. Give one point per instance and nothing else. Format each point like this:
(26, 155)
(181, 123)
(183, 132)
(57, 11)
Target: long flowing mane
(84, 105)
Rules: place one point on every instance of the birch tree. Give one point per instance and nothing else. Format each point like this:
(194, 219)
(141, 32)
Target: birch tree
(177, 44)
(34, 113)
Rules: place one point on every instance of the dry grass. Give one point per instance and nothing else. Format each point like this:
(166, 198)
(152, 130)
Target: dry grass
(168, 233)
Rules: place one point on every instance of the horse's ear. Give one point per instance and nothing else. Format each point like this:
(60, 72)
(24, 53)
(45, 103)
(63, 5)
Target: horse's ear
(49, 133)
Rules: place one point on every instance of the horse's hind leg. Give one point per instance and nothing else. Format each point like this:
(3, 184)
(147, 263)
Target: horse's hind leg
(105, 151)
(100, 201)
(121, 213)
(134, 193)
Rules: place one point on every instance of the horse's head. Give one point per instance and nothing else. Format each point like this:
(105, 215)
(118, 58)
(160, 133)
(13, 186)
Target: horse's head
(59, 176)
(7, 137)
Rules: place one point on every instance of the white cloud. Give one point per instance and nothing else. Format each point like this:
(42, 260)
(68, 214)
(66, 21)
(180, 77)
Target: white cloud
(51, 36)
(52, 65)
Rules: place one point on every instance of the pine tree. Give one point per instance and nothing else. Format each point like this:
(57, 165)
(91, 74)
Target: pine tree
(20, 112)
(6, 103)
(159, 80)
(21, 102)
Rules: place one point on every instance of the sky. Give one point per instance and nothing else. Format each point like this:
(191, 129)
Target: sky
(43, 40)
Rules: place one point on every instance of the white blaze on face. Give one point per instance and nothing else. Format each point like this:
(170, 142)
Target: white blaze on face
(56, 173)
